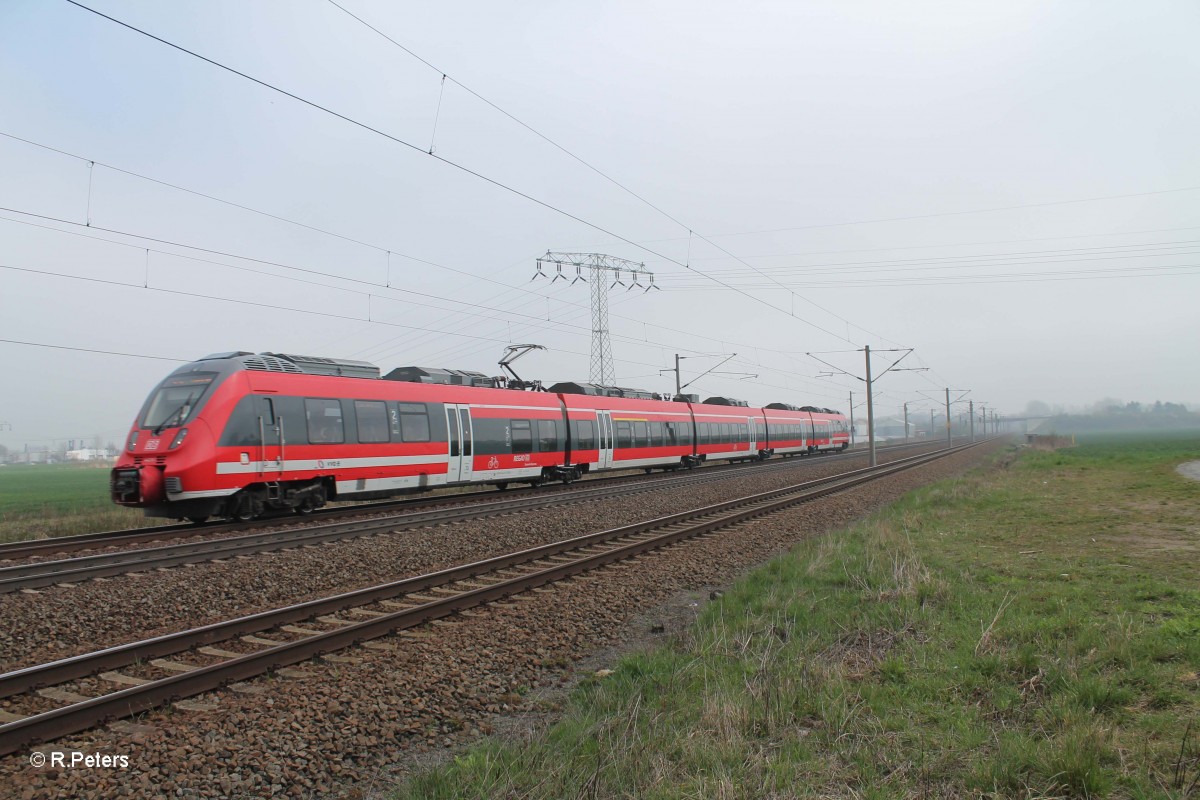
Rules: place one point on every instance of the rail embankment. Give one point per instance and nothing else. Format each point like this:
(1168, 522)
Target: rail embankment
(1031, 629)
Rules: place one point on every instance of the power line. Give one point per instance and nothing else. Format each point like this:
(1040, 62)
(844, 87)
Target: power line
(292, 309)
(467, 170)
(278, 264)
(1143, 250)
(950, 244)
(379, 248)
(90, 350)
(960, 213)
(512, 117)
(582, 331)
(414, 330)
(1165, 271)
(604, 175)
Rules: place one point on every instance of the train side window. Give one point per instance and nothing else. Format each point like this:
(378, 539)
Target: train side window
(324, 418)
(372, 419)
(547, 436)
(242, 427)
(624, 433)
(641, 436)
(672, 438)
(685, 432)
(414, 422)
(522, 436)
(452, 432)
(656, 438)
(585, 437)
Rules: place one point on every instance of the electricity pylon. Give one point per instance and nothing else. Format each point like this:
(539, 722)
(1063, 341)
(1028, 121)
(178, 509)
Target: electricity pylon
(598, 265)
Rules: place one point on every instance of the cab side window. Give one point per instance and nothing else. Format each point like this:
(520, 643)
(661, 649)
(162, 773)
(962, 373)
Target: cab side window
(242, 428)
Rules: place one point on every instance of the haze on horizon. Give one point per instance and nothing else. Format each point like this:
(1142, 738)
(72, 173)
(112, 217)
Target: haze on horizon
(1011, 190)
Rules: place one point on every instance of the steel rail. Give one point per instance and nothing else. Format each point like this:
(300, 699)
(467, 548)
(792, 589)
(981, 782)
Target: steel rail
(80, 716)
(104, 565)
(89, 541)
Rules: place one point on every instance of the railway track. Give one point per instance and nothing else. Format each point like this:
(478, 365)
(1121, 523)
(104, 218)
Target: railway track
(39, 574)
(273, 640)
(14, 551)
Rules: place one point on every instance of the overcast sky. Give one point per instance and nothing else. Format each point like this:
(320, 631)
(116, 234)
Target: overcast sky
(1012, 189)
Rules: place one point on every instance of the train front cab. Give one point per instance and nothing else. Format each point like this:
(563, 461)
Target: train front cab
(171, 442)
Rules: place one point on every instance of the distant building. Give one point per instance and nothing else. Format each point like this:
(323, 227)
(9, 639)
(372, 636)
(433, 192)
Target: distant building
(88, 454)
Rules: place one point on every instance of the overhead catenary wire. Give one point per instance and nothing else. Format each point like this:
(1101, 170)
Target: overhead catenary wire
(1082, 254)
(379, 248)
(579, 329)
(462, 168)
(258, 304)
(687, 261)
(93, 350)
(418, 331)
(943, 245)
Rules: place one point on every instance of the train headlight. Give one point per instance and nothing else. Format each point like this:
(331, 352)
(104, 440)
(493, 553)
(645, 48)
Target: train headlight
(133, 440)
(178, 440)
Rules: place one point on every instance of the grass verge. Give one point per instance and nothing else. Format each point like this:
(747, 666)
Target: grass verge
(1032, 630)
(41, 500)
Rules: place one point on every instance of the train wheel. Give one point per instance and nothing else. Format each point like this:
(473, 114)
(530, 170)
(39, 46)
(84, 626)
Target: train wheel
(200, 520)
(501, 486)
(306, 507)
(247, 508)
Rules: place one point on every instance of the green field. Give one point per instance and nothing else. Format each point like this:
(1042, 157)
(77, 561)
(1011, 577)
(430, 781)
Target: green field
(1031, 630)
(40, 500)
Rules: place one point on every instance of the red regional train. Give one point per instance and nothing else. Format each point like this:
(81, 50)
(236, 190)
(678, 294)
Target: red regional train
(239, 434)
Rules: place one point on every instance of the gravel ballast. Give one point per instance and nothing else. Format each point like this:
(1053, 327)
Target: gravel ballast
(347, 724)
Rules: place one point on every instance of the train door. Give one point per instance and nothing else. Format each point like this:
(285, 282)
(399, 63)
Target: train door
(459, 432)
(604, 435)
(272, 446)
(753, 434)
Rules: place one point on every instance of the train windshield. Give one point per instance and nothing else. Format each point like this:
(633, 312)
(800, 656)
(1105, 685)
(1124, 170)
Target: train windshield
(176, 399)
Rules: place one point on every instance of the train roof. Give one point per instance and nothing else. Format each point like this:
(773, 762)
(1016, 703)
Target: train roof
(726, 401)
(448, 377)
(291, 363)
(296, 364)
(597, 390)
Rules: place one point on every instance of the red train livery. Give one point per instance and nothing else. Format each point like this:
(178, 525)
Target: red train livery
(238, 434)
